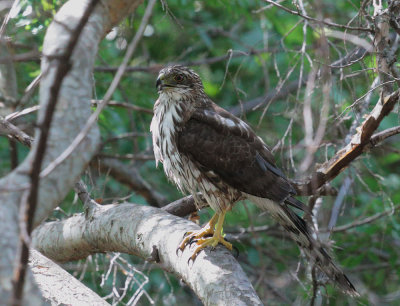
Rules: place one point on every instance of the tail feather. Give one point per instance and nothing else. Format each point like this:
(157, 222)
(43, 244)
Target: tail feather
(298, 204)
(307, 240)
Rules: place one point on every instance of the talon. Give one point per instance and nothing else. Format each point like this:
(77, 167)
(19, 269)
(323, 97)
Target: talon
(210, 235)
(192, 241)
(177, 251)
(187, 234)
(191, 258)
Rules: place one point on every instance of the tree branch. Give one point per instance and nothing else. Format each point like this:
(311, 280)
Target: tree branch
(355, 148)
(215, 276)
(9, 129)
(381, 136)
(367, 220)
(63, 66)
(58, 286)
(72, 112)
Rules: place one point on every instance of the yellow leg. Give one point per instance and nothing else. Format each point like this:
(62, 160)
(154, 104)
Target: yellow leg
(206, 230)
(201, 238)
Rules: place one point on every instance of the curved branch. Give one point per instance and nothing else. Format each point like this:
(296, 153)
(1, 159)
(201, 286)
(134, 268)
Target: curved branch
(153, 234)
(58, 286)
(358, 144)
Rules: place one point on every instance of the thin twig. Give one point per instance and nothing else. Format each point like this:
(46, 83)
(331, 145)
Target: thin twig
(124, 105)
(367, 220)
(206, 61)
(381, 136)
(127, 156)
(331, 24)
(9, 129)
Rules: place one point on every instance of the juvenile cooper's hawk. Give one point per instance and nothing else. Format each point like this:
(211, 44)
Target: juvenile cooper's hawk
(206, 149)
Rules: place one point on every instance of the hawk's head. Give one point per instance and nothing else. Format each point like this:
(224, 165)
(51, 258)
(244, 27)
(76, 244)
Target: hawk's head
(178, 79)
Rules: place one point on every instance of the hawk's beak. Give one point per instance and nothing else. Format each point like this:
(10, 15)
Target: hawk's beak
(158, 84)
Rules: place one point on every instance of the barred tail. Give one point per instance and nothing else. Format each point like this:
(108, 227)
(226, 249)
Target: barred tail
(307, 240)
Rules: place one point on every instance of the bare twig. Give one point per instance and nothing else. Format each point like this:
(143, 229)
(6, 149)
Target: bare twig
(9, 129)
(127, 156)
(381, 136)
(364, 221)
(328, 23)
(22, 57)
(124, 105)
(206, 61)
(35, 108)
(124, 136)
(23, 112)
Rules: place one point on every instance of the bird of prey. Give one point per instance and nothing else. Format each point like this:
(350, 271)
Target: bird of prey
(206, 149)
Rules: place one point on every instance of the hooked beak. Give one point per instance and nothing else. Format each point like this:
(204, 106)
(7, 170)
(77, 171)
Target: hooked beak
(159, 84)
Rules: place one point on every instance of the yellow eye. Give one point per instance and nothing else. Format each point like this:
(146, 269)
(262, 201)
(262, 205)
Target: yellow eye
(178, 78)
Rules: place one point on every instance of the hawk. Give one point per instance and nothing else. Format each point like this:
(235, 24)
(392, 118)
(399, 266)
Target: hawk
(206, 149)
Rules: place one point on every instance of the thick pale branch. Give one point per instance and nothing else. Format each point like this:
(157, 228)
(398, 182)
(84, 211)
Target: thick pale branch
(148, 232)
(59, 286)
(28, 206)
(71, 114)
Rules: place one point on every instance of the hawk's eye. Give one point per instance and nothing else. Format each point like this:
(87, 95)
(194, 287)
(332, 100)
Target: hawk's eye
(178, 78)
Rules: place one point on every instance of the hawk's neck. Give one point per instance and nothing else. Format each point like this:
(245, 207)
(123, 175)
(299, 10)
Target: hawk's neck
(170, 113)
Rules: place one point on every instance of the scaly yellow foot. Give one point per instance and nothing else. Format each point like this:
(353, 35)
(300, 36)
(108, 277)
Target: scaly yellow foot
(202, 237)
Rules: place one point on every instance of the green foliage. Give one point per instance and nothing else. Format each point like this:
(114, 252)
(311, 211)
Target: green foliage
(266, 54)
